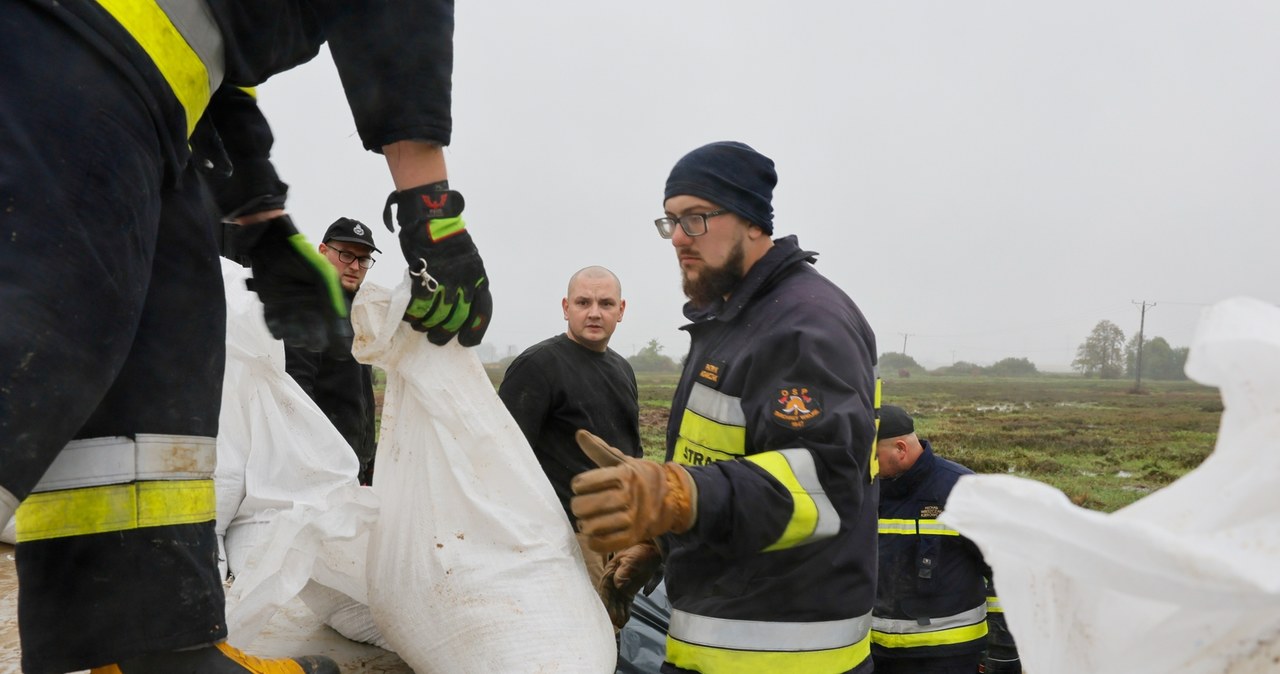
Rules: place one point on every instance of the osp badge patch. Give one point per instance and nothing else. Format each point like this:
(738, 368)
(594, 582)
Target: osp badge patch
(796, 407)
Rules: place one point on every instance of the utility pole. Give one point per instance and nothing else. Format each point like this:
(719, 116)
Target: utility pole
(1142, 324)
(905, 335)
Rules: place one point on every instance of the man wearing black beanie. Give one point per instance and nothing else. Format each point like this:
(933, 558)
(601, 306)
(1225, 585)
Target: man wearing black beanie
(765, 511)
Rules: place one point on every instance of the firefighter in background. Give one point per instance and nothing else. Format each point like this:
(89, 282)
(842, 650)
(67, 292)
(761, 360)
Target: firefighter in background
(931, 614)
(112, 351)
(766, 506)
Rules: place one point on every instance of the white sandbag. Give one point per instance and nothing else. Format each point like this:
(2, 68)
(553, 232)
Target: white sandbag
(473, 566)
(290, 510)
(1184, 580)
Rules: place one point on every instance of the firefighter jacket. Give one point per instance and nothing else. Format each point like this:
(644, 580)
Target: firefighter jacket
(931, 600)
(774, 417)
(395, 57)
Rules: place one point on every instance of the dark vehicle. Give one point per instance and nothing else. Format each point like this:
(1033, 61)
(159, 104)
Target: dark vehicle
(642, 644)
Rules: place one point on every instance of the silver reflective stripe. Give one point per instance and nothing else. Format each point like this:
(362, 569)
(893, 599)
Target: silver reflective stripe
(937, 528)
(716, 406)
(194, 20)
(898, 527)
(755, 635)
(806, 473)
(993, 605)
(96, 462)
(8, 504)
(971, 617)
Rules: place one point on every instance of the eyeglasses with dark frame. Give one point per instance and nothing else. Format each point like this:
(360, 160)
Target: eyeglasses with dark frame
(693, 224)
(347, 257)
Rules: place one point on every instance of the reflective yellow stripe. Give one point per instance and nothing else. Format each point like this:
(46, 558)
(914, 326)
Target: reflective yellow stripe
(252, 91)
(813, 517)
(120, 507)
(720, 645)
(713, 421)
(993, 605)
(708, 440)
(173, 56)
(874, 463)
(955, 635)
(916, 527)
(721, 661)
(907, 527)
(936, 528)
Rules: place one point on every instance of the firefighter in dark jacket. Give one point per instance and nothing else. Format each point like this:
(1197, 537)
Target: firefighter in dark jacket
(766, 506)
(341, 385)
(111, 356)
(931, 599)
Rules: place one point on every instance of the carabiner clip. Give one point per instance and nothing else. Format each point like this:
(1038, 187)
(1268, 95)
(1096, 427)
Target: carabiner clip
(427, 280)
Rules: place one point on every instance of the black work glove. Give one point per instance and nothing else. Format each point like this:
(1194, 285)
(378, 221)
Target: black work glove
(451, 294)
(301, 295)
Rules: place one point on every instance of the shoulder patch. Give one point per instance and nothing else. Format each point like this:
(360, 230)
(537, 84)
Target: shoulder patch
(712, 373)
(797, 406)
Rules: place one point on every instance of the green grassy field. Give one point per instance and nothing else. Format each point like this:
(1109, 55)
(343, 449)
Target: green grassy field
(1101, 445)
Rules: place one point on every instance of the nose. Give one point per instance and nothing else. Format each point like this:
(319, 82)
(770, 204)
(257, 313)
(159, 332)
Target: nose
(679, 239)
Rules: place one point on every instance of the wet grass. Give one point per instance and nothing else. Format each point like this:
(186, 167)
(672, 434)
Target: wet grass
(1102, 445)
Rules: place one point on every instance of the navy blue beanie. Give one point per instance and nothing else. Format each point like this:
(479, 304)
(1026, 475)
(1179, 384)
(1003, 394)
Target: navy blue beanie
(731, 175)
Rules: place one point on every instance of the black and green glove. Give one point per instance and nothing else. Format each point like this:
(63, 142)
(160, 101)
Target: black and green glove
(451, 294)
(301, 295)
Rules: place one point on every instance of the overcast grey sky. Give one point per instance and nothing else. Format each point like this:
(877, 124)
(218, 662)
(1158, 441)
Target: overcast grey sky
(989, 178)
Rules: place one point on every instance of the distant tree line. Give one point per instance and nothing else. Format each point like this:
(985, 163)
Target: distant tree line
(899, 365)
(1105, 354)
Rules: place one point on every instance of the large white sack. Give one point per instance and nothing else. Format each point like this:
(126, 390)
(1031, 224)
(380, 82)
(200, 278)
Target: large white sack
(1185, 580)
(473, 566)
(289, 505)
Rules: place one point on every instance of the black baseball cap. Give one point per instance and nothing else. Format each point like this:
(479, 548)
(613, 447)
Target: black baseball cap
(351, 231)
(894, 422)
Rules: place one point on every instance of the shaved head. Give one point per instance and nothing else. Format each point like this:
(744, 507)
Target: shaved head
(593, 272)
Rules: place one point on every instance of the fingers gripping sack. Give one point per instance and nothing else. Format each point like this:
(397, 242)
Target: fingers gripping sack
(624, 575)
(628, 500)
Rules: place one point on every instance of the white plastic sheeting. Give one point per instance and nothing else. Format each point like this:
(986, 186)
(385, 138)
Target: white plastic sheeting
(1185, 580)
(473, 567)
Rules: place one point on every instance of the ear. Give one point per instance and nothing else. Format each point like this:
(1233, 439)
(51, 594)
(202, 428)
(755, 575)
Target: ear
(324, 250)
(622, 309)
(564, 306)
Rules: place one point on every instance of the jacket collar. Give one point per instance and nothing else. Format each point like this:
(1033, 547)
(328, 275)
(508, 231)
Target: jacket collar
(785, 252)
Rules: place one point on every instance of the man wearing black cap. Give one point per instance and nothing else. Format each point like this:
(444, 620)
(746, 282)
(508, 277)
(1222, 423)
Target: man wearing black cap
(765, 511)
(932, 599)
(341, 385)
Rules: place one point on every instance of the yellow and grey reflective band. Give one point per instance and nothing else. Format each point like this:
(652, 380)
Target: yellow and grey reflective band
(916, 527)
(948, 630)
(993, 605)
(98, 485)
(719, 645)
(813, 516)
(95, 462)
(252, 91)
(183, 40)
(8, 504)
(712, 427)
(874, 463)
(117, 507)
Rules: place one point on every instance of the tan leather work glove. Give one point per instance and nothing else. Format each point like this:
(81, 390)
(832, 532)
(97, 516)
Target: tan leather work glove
(623, 577)
(627, 500)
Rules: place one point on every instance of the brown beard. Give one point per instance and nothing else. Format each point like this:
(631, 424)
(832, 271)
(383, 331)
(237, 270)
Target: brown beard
(716, 282)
